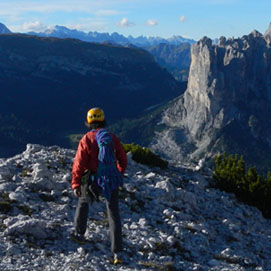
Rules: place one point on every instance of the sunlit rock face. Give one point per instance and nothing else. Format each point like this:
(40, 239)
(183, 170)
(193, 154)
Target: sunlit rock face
(226, 106)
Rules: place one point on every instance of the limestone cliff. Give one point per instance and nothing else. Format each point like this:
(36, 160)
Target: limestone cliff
(267, 33)
(227, 104)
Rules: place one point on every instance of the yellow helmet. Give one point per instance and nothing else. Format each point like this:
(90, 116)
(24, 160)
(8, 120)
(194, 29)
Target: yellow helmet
(95, 114)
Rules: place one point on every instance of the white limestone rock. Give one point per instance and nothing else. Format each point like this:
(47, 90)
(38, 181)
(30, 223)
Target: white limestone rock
(26, 226)
(169, 217)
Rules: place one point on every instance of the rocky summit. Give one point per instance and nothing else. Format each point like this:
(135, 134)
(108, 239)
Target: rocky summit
(172, 220)
(226, 106)
(4, 29)
(268, 33)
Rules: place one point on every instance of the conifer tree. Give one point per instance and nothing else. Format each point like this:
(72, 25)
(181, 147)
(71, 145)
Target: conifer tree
(230, 175)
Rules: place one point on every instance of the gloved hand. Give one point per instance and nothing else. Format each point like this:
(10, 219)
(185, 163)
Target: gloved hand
(77, 191)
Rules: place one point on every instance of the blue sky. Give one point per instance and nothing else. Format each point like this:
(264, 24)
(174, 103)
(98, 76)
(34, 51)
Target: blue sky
(165, 18)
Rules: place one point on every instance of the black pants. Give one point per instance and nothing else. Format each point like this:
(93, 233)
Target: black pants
(112, 206)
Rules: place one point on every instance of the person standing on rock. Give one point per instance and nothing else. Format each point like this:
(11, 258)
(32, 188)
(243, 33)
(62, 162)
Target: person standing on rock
(101, 157)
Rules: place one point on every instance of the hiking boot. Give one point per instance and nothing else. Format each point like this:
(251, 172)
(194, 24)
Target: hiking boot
(117, 258)
(78, 238)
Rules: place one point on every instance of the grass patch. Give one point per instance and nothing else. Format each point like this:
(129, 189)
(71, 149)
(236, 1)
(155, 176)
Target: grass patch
(25, 172)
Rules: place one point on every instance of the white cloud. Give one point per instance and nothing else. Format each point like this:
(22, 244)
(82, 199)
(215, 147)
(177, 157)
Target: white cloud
(34, 26)
(182, 18)
(125, 23)
(152, 22)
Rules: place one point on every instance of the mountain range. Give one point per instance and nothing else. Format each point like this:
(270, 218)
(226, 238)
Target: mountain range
(226, 105)
(141, 41)
(115, 38)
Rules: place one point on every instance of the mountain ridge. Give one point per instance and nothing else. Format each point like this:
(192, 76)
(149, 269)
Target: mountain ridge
(4, 29)
(175, 58)
(175, 45)
(60, 79)
(141, 41)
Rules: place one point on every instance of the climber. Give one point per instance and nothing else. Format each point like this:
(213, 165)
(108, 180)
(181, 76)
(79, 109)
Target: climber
(100, 154)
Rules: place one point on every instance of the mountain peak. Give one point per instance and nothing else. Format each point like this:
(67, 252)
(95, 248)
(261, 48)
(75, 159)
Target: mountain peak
(4, 29)
(268, 31)
(256, 34)
(223, 89)
(57, 28)
(141, 41)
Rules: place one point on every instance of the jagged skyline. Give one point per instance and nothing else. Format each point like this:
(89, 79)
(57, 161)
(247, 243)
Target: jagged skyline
(164, 18)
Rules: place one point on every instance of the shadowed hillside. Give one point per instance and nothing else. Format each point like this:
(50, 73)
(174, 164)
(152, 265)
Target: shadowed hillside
(48, 84)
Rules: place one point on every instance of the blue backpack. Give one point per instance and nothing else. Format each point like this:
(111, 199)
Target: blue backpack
(108, 176)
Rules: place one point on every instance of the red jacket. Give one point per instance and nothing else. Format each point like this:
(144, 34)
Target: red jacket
(87, 157)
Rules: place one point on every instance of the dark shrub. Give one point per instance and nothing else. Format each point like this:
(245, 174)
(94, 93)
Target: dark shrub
(145, 156)
(230, 175)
